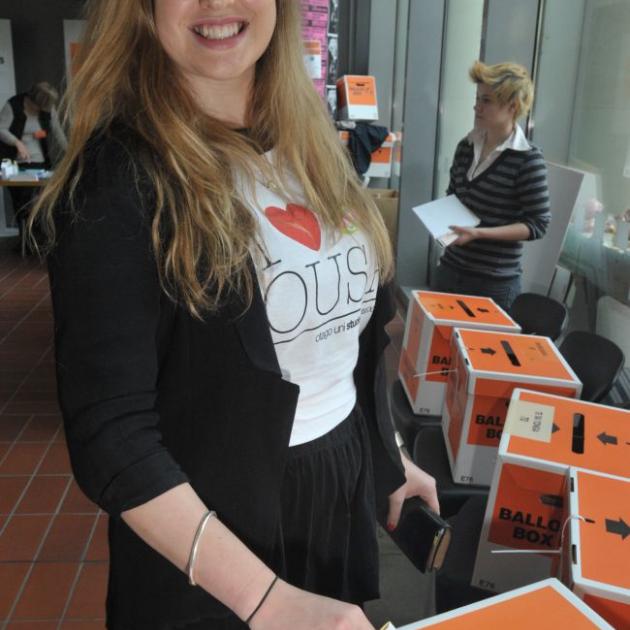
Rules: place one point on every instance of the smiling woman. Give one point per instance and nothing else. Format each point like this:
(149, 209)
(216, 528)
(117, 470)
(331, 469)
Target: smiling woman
(211, 48)
(218, 278)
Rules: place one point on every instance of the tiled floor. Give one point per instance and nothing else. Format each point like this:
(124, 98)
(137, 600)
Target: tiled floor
(53, 543)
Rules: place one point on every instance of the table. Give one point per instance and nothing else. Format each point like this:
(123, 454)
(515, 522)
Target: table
(35, 183)
(5, 230)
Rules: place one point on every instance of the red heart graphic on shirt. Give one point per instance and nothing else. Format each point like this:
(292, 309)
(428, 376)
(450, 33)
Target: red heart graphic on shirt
(296, 222)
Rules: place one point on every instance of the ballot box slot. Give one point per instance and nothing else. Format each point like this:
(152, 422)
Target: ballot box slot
(577, 445)
(511, 355)
(465, 308)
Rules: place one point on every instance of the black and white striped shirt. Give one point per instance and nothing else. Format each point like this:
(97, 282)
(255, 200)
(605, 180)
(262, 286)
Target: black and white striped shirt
(513, 189)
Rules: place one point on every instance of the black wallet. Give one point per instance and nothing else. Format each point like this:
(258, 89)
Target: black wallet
(422, 535)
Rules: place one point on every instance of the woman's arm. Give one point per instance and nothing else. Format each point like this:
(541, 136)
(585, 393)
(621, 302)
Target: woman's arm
(533, 196)
(230, 572)
(6, 119)
(512, 232)
(451, 181)
(168, 523)
(57, 131)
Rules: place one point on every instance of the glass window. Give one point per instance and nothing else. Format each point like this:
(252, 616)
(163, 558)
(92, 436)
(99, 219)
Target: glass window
(582, 122)
(462, 41)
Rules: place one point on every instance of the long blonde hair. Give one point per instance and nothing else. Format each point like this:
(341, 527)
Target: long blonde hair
(124, 74)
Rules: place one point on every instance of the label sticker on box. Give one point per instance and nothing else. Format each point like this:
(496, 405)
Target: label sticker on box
(313, 58)
(529, 420)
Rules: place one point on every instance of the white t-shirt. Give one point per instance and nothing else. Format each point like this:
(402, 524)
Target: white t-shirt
(319, 290)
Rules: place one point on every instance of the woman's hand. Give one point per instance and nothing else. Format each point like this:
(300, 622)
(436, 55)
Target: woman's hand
(464, 234)
(418, 484)
(22, 151)
(290, 608)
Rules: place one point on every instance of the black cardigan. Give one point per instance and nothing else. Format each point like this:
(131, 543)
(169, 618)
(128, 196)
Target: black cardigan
(152, 397)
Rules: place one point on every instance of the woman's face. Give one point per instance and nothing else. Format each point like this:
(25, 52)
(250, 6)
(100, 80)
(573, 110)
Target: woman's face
(216, 40)
(489, 114)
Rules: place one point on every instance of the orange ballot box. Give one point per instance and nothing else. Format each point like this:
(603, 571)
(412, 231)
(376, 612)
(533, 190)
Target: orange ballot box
(487, 366)
(546, 605)
(544, 435)
(357, 97)
(425, 359)
(597, 558)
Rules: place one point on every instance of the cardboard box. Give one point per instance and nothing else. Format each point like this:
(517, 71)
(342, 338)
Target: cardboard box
(425, 360)
(597, 556)
(527, 506)
(545, 605)
(487, 367)
(356, 98)
(386, 200)
(380, 159)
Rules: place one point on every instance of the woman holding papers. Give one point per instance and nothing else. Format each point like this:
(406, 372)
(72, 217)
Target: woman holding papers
(501, 178)
(219, 290)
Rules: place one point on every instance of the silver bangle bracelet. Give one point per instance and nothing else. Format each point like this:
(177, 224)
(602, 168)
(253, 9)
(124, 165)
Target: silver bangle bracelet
(190, 567)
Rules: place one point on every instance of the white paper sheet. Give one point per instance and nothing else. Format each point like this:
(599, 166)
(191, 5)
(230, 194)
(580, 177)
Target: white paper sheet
(440, 214)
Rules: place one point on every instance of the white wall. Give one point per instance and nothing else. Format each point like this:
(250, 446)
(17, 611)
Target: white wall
(73, 31)
(462, 48)
(559, 56)
(382, 53)
(510, 33)
(7, 72)
(600, 134)
(7, 90)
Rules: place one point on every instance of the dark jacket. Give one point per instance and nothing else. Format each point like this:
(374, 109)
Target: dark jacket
(152, 397)
(17, 129)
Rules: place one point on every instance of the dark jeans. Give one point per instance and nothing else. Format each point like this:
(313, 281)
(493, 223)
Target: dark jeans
(502, 292)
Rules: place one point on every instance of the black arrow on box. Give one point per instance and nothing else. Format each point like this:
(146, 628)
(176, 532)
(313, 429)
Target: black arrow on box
(620, 527)
(554, 428)
(604, 438)
(488, 351)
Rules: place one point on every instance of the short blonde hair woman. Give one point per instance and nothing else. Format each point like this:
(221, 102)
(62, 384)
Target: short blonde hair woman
(502, 178)
(215, 270)
(510, 84)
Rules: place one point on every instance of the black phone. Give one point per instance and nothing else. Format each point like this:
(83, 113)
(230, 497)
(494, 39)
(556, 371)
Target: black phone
(422, 535)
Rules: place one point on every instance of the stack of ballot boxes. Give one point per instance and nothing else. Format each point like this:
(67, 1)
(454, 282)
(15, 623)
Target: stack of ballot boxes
(547, 604)
(486, 368)
(425, 360)
(596, 553)
(544, 435)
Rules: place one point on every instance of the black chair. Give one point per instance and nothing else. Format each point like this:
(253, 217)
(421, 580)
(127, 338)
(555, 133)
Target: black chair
(597, 361)
(429, 452)
(452, 582)
(405, 420)
(539, 315)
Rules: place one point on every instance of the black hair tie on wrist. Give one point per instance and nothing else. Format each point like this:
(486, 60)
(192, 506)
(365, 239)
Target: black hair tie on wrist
(262, 601)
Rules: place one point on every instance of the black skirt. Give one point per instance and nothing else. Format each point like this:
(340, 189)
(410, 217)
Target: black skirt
(328, 541)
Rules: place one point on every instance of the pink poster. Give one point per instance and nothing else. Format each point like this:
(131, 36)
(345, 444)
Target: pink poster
(315, 29)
